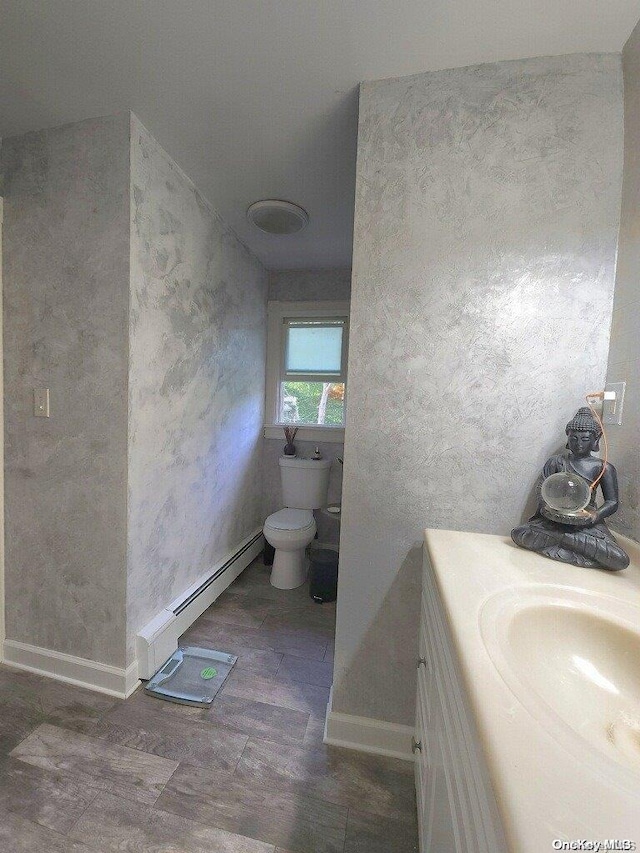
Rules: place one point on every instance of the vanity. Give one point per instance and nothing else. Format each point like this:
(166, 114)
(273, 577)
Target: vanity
(528, 708)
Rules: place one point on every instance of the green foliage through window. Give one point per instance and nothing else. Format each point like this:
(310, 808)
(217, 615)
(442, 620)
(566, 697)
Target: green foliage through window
(312, 403)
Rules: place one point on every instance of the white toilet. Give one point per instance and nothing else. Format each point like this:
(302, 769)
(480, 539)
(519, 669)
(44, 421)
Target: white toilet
(290, 530)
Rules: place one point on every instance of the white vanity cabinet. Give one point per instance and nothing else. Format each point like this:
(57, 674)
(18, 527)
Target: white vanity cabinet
(527, 699)
(456, 804)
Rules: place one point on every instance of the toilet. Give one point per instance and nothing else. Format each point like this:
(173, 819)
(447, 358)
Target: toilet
(290, 530)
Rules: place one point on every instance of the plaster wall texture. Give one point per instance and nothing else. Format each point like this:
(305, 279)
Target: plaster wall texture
(197, 343)
(66, 286)
(309, 285)
(487, 210)
(624, 350)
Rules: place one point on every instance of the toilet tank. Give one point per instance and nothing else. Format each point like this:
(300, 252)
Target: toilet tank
(304, 482)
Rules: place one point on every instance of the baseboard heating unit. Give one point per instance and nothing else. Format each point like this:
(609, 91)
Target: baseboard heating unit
(158, 640)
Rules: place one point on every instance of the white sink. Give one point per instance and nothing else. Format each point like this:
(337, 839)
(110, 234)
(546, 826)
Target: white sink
(572, 658)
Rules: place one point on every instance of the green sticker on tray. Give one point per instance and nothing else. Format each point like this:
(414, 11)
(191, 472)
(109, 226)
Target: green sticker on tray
(208, 672)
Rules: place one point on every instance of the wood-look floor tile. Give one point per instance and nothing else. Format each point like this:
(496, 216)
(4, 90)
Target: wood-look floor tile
(19, 835)
(249, 610)
(302, 625)
(141, 705)
(301, 641)
(307, 671)
(29, 687)
(114, 824)
(288, 694)
(256, 580)
(99, 764)
(340, 776)
(197, 743)
(15, 726)
(34, 699)
(258, 661)
(297, 614)
(49, 798)
(288, 789)
(259, 719)
(10, 677)
(219, 635)
(329, 654)
(370, 833)
(327, 609)
(305, 642)
(298, 822)
(314, 735)
(181, 736)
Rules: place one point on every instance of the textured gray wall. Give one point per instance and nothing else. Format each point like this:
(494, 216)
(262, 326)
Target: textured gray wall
(196, 384)
(66, 280)
(487, 209)
(624, 352)
(309, 285)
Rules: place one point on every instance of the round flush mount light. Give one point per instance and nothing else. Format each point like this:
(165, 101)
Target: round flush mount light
(274, 216)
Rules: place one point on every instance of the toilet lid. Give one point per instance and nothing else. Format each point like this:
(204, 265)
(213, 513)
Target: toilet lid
(290, 519)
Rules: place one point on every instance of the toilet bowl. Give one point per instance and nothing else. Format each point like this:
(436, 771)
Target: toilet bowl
(289, 531)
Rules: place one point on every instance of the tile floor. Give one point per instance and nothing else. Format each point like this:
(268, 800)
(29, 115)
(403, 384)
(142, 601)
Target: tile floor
(85, 773)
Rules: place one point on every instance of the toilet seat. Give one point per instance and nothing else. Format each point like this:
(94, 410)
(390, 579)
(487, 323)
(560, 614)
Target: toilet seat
(289, 531)
(291, 519)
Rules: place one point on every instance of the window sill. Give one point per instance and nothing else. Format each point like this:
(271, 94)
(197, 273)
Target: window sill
(308, 433)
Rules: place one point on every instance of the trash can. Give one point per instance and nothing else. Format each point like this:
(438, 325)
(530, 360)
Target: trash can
(323, 584)
(268, 554)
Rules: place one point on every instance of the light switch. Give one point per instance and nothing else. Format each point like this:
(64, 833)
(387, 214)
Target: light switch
(41, 402)
(612, 404)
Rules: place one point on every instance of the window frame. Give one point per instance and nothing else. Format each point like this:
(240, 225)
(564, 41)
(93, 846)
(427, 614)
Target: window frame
(277, 313)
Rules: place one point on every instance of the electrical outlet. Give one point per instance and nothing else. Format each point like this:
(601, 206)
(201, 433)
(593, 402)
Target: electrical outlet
(612, 408)
(41, 402)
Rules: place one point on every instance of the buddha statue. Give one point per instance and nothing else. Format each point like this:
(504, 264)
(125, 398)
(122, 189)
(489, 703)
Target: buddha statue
(577, 536)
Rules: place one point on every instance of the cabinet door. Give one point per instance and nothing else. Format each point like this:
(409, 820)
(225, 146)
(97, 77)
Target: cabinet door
(422, 758)
(423, 790)
(436, 829)
(458, 812)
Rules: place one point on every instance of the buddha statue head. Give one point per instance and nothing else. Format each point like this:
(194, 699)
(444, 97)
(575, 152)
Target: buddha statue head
(583, 433)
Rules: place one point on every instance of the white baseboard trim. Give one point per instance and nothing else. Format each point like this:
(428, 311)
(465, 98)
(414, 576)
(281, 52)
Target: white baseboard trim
(368, 735)
(81, 672)
(158, 639)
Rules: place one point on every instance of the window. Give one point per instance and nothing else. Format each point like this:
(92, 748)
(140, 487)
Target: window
(307, 367)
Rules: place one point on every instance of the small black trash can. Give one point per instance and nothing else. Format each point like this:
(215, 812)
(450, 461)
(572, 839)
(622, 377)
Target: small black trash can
(323, 585)
(268, 554)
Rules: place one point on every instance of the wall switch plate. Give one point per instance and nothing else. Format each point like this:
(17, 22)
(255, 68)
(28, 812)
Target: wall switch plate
(41, 402)
(612, 409)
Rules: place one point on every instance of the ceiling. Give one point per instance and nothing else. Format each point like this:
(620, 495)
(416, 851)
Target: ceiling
(258, 98)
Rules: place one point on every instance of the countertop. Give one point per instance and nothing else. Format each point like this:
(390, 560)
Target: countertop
(545, 790)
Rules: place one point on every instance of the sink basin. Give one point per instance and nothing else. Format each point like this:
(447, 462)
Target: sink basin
(573, 659)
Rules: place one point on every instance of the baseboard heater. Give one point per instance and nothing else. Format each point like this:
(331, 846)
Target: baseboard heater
(158, 640)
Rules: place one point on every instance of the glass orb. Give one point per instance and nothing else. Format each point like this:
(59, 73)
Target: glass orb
(566, 492)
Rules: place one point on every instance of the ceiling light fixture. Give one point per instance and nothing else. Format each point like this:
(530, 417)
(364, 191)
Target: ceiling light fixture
(274, 216)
